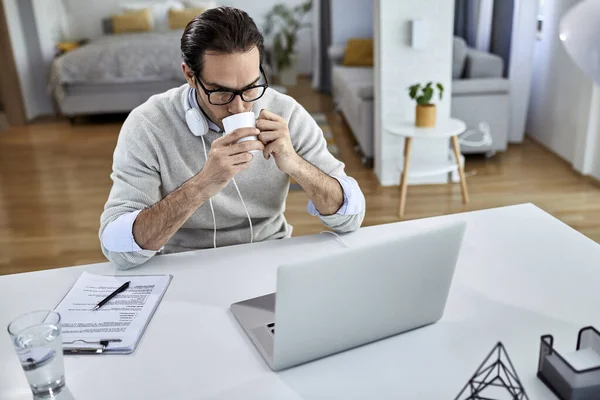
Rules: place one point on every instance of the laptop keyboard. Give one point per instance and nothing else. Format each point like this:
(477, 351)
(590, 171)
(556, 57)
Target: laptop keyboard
(271, 327)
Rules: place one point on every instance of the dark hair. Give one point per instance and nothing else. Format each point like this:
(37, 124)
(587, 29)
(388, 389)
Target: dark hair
(224, 30)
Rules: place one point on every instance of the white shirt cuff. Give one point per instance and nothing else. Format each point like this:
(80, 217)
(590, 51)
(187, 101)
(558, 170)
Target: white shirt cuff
(353, 198)
(118, 235)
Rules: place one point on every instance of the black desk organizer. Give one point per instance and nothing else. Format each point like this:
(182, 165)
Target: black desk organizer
(561, 377)
(496, 376)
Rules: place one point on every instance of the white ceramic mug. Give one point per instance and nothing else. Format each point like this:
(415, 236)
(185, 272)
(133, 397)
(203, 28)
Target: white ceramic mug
(241, 120)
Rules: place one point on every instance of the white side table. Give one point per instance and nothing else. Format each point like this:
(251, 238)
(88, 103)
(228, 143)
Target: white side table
(444, 129)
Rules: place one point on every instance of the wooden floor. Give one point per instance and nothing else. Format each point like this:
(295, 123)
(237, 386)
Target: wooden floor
(54, 180)
(3, 122)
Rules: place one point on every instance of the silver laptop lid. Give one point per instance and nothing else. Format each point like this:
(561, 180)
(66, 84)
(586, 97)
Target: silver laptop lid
(337, 302)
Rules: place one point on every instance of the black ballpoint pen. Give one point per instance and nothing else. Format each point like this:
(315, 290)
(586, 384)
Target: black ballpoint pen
(113, 294)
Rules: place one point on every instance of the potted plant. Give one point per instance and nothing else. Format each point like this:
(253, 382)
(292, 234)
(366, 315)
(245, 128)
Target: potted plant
(426, 110)
(282, 26)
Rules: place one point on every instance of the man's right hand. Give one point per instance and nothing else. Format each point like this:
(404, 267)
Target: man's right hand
(155, 226)
(226, 159)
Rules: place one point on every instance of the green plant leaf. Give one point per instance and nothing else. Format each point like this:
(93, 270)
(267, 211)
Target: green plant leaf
(279, 53)
(412, 90)
(282, 24)
(427, 94)
(440, 89)
(307, 6)
(280, 9)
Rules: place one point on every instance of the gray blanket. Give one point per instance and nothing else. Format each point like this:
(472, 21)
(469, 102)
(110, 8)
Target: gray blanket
(137, 57)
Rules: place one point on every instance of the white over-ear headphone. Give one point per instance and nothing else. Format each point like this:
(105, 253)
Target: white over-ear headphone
(195, 122)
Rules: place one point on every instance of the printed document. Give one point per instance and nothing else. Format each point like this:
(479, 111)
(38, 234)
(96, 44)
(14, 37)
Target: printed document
(121, 321)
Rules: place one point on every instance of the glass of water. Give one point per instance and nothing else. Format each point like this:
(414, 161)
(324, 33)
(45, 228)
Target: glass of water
(38, 343)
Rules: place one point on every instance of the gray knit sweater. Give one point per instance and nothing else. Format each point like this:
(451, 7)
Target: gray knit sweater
(156, 153)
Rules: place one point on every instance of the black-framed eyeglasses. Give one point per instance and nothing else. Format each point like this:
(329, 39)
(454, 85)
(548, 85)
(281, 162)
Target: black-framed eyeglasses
(220, 97)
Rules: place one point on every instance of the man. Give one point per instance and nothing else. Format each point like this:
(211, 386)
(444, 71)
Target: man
(180, 184)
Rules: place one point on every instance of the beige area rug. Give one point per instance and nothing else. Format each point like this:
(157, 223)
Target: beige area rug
(321, 120)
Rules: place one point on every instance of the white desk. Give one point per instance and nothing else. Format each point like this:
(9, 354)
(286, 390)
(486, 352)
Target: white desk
(521, 274)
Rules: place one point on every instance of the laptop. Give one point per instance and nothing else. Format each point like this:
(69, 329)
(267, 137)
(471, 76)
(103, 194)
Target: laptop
(359, 295)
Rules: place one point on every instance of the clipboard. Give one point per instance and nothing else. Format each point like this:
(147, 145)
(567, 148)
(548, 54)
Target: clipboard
(76, 309)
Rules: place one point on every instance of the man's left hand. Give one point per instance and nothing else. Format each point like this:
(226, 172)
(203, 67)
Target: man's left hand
(275, 135)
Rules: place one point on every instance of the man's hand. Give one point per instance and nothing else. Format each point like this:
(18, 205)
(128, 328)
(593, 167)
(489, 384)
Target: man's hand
(226, 159)
(275, 135)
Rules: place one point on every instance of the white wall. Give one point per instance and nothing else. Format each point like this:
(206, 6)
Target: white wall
(587, 146)
(397, 66)
(49, 19)
(85, 17)
(521, 65)
(351, 19)
(590, 165)
(561, 94)
(29, 61)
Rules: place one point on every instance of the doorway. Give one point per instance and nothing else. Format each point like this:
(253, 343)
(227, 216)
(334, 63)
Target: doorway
(11, 100)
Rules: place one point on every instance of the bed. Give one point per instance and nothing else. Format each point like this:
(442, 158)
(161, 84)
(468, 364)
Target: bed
(116, 73)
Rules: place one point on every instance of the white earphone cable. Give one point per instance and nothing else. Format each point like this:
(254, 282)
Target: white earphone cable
(212, 210)
(337, 237)
(245, 209)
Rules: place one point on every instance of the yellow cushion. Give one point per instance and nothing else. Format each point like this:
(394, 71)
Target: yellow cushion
(67, 46)
(359, 53)
(132, 21)
(178, 19)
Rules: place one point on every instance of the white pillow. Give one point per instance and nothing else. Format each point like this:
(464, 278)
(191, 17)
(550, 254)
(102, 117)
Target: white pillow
(160, 12)
(200, 3)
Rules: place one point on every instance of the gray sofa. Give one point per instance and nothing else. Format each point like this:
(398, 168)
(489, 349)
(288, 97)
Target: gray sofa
(479, 94)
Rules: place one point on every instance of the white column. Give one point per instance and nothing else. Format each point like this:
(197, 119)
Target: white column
(594, 131)
(398, 66)
(587, 142)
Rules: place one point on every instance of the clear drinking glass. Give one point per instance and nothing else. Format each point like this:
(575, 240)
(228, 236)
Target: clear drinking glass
(38, 343)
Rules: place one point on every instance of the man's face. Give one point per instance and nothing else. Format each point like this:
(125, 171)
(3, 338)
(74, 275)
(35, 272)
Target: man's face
(229, 72)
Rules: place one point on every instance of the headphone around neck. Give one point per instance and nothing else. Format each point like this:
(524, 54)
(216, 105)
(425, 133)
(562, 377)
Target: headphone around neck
(193, 117)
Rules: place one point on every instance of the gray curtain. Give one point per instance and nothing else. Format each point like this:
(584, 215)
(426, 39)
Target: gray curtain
(502, 26)
(465, 20)
(324, 81)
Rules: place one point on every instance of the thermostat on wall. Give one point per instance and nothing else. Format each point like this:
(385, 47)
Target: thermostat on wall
(418, 34)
